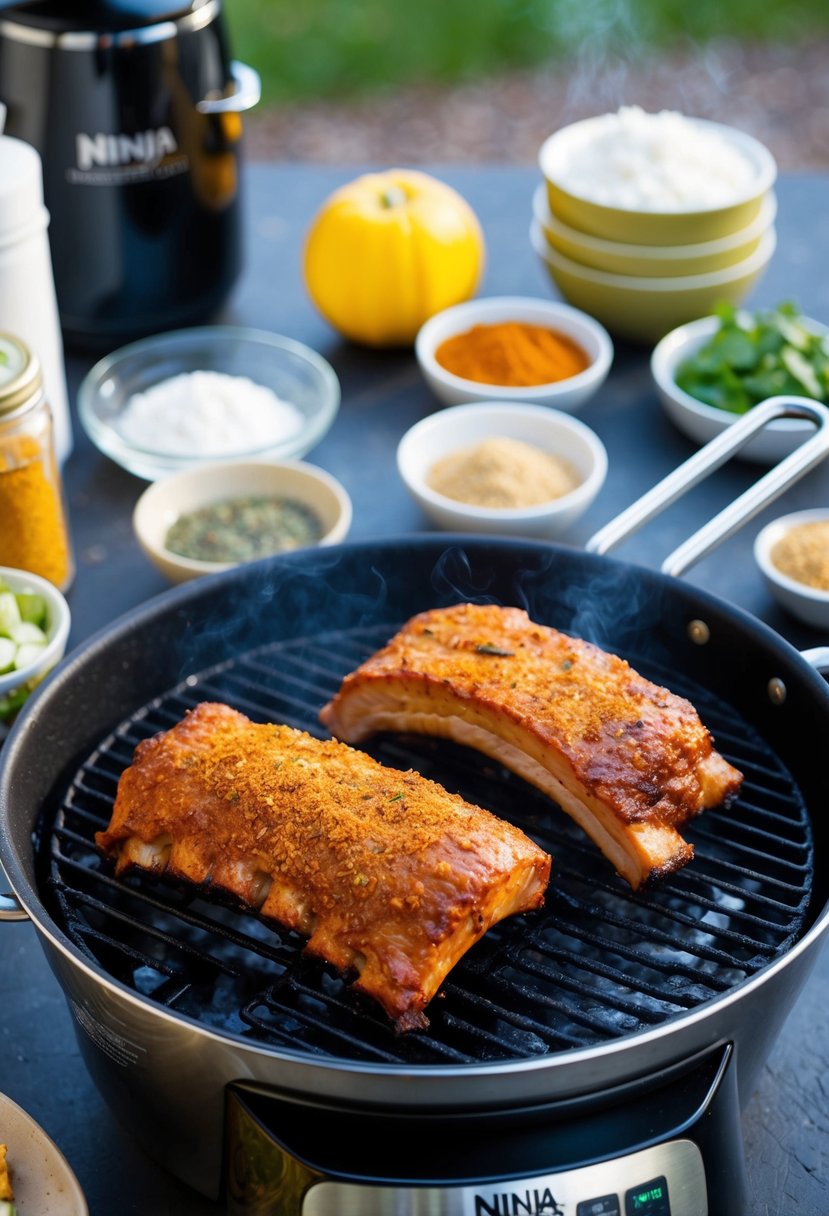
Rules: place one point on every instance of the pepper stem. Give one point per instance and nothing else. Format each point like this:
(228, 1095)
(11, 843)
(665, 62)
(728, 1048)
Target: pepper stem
(394, 196)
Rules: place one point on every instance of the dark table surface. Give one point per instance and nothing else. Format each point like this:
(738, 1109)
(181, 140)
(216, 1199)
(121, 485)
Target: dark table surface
(786, 1123)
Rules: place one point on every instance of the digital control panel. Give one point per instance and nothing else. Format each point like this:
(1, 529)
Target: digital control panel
(649, 1199)
(668, 1180)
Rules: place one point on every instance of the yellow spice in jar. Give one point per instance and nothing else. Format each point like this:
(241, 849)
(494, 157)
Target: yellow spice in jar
(33, 532)
(502, 473)
(803, 554)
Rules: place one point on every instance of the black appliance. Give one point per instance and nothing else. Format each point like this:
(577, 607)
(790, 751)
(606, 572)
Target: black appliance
(135, 108)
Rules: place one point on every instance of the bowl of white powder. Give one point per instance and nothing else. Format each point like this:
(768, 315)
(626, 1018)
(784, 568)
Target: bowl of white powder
(655, 179)
(203, 395)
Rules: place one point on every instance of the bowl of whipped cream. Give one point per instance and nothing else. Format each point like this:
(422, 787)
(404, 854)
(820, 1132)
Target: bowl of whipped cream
(197, 396)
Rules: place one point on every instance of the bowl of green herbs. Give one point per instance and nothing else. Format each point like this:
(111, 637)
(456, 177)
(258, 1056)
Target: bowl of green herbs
(710, 372)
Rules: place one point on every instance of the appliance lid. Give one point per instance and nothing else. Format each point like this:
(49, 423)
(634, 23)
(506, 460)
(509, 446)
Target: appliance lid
(99, 16)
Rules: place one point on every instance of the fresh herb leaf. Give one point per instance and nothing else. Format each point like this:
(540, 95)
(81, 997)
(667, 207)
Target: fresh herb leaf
(753, 356)
(487, 648)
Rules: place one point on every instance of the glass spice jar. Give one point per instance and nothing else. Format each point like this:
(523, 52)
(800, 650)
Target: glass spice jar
(34, 534)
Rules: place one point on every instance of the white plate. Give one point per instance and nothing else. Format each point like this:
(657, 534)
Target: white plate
(43, 1182)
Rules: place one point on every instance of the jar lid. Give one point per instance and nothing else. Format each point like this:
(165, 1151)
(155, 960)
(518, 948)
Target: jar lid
(99, 16)
(20, 375)
(21, 188)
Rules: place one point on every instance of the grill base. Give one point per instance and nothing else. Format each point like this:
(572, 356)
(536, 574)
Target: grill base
(595, 1155)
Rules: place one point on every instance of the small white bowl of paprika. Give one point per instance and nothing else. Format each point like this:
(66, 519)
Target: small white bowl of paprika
(514, 348)
(792, 553)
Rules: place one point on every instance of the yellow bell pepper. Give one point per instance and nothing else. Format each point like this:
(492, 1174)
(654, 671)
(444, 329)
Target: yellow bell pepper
(388, 251)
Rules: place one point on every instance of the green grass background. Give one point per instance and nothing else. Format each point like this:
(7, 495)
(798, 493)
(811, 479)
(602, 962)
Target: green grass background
(306, 49)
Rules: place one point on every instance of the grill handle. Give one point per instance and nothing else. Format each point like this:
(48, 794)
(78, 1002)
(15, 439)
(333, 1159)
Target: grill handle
(818, 658)
(10, 909)
(694, 470)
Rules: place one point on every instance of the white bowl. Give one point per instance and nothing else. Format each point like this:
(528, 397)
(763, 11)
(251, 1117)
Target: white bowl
(569, 394)
(690, 225)
(806, 603)
(162, 503)
(651, 261)
(644, 309)
(462, 426)
(16, 685)
(294, 372)
(702, 422)
(43, 1182)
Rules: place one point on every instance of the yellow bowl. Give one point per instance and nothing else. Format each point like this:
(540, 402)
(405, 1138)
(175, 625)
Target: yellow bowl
(644, 227)
(644, 310)
(652, 261)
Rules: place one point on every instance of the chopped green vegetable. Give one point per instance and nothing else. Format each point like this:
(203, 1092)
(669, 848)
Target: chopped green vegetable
(27, 654)
(32, 608)
(23, 639)
(753, 356)
(8, 654)
(9, 613)
(26, 633)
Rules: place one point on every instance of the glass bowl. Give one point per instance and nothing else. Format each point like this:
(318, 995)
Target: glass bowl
(294, 372)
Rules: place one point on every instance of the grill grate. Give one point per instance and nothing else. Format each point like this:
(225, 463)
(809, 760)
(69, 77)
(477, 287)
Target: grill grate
(597, 963)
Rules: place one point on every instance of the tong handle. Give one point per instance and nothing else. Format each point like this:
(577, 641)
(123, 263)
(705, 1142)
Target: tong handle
(715, 453)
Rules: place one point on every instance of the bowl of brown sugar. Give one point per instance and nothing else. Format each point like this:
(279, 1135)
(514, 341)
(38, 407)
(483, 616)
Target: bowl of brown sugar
(514, 348)
(502, 468)
(792, 553)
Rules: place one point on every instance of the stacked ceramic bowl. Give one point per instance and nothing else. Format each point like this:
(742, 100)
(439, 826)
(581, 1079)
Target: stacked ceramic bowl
(647, 221)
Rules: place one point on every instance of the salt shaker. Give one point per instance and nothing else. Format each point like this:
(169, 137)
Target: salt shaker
(28, 303)
(34, 534)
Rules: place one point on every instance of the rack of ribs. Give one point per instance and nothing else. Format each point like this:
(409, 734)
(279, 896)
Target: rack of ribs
(387, 874)
(628, 760)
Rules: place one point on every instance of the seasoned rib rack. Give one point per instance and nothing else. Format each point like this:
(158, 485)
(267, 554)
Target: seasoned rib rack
(629, 760)
(388, 875)
(601, 962)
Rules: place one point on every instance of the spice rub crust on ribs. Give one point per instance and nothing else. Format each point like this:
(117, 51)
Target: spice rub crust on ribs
(386, 873)
(628, 760)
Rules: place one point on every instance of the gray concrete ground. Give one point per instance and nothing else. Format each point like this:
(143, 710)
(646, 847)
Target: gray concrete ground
(780, 94)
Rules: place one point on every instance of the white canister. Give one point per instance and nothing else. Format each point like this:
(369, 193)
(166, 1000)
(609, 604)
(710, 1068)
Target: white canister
(28, 305)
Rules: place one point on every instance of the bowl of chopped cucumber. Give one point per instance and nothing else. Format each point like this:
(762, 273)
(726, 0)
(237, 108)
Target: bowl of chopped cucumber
(710, 372)
(34, 628)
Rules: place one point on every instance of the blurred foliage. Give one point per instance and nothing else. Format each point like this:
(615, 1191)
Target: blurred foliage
(322, 48)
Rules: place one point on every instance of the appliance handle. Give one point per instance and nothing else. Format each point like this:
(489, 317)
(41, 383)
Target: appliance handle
(714, 454)
(818, 658)
(246, 93)
(10, 908)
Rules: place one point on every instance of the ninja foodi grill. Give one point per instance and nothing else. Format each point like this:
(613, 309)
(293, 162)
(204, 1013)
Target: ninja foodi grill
(588, 1060)
(135, 107)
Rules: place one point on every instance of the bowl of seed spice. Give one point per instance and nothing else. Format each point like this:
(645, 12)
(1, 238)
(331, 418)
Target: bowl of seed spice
(211, 518)
(502, 468)
(792, 553)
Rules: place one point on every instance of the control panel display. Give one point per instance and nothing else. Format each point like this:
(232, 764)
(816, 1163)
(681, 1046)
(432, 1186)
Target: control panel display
(650, 1199)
